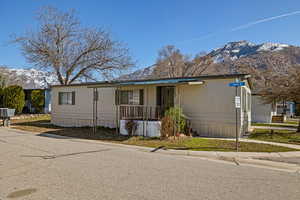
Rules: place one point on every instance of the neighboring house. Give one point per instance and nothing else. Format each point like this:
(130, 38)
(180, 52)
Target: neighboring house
(262, 112)
(28, 108)
(287, 108)
(207, 101)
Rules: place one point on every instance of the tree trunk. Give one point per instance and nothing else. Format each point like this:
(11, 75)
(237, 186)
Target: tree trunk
(298, 129)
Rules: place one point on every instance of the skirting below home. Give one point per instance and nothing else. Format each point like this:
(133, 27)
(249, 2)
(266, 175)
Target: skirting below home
(144, 128)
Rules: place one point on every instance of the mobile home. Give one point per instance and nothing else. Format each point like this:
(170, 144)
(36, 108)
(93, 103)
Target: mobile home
(207, 101)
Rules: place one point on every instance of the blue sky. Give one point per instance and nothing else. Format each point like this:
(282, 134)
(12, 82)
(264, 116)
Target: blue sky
(147, 25)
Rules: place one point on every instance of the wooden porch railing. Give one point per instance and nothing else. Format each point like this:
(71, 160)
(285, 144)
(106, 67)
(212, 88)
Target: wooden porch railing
(140, 112)
(148, 113)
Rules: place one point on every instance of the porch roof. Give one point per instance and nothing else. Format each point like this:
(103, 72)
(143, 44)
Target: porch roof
(161, 81)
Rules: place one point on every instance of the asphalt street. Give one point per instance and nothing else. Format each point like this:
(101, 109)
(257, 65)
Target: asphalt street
(37, 167)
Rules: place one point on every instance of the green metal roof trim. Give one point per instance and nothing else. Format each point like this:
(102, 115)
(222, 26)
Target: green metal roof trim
(125, 82)
(165, 81)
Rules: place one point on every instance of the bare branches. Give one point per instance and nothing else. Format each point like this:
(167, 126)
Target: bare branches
(74, 53)
(274, 83)
(172, 63)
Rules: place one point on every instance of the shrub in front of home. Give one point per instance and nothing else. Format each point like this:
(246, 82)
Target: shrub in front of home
(167, 127)
(131, 127)
(1, 97)
(14, 97)
(176, 114)
(38, 100)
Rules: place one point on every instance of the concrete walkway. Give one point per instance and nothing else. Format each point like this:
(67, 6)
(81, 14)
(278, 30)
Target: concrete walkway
(275, 128)
(285, 124)
(294, 146)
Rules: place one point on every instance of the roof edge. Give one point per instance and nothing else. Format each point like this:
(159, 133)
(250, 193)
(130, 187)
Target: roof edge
(219, 76)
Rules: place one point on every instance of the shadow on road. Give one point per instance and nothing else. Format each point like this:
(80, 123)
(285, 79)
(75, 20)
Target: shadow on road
(64, 155)
(46, 129)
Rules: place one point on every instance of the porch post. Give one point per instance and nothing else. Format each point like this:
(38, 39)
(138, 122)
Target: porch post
(94, 124)
(117, 110)
(179, 104)
(96, 102)
(143, 108)
(147, 104)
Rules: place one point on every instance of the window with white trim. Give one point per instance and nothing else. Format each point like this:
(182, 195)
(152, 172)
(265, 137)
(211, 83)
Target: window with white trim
(66, 98)
(130, 97)
(126, 97)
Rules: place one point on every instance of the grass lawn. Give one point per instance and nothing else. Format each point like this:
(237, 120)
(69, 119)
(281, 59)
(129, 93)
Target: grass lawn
(204, 144)
(41, 125)
(282, 136)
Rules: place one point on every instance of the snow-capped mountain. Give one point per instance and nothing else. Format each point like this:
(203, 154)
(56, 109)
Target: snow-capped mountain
(235, 50)
(224, 57)
(139, 74)
(28, 78)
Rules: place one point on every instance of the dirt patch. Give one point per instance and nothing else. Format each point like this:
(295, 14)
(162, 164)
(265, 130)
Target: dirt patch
(229, 159)
(21, 193)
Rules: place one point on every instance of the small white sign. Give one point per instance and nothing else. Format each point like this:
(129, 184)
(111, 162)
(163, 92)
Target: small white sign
(237, 102)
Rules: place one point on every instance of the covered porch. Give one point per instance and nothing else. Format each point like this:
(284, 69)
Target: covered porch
(145, 103)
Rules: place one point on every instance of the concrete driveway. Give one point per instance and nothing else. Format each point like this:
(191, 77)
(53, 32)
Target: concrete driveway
(36, 167)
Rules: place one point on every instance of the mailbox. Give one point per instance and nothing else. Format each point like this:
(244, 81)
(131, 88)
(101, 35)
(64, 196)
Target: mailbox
(6, 114)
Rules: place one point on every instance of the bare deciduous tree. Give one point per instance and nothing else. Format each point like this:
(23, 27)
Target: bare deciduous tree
(199, 65)
(272, 83)
(2, 81)
(293, 91)
(61, 45)
(172, 63)
(275, 84)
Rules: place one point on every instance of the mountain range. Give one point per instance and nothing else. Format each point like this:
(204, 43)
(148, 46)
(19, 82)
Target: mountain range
(28, 78)
(225, 59)
(235, 50)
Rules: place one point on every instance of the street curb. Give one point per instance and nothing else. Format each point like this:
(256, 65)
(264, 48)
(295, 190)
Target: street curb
(182, 152)
(245, 158)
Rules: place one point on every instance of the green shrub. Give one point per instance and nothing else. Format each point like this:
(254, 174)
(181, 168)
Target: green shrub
(14, 97)
(2, 85)
(1, 97)
(176, 114)
(38, 100)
